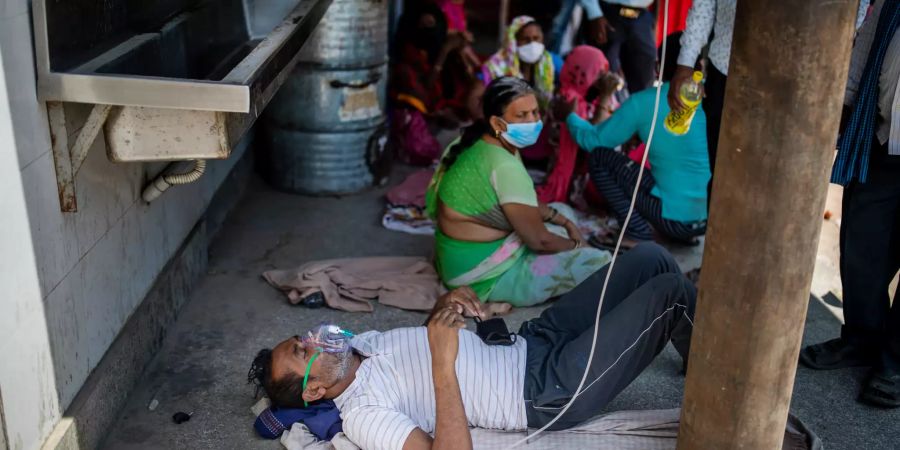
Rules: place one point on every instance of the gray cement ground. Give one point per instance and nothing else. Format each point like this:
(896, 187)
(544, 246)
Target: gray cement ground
(203, 363)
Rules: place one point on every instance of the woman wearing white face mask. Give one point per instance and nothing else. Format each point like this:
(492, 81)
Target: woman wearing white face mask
(523, 56)
(493, 235)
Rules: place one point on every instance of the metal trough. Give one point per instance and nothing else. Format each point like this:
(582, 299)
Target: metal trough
(185, 78)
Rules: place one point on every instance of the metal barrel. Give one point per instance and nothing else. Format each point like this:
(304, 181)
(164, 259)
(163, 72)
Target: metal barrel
(325, 163)
(324, 132)
(353, 33)
(332, 100)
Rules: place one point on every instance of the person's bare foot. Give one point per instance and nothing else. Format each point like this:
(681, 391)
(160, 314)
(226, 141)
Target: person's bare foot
(496, 309)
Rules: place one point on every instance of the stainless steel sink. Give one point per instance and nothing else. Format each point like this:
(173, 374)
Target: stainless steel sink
(185, 78)
(213, 55)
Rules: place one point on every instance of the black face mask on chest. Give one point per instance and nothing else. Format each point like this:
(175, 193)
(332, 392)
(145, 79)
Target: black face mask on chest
(494, 332)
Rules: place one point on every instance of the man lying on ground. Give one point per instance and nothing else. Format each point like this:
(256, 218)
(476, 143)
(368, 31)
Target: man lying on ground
(423, 387)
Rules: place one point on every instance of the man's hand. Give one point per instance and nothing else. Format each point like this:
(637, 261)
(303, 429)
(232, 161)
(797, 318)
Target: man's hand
(682, 74)
(598, 31)
(562, 108)
(463, 300)
(443, 336)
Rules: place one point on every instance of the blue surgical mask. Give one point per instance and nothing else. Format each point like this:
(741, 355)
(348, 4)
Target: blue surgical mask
(522, 135)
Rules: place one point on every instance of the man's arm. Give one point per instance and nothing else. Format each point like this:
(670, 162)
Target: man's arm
(860, 53)
(700, 20)
(591, 8)
(451, 430)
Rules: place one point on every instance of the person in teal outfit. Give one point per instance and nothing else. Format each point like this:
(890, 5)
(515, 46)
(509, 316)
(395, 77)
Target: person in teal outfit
(672, 195)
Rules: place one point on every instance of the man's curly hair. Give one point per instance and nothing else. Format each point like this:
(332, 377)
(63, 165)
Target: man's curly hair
(286, 392)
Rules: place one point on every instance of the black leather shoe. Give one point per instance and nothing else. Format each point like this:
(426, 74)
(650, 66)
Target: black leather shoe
(882, 389)
(836, 354)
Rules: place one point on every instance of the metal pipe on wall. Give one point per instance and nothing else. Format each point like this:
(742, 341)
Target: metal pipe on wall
(782, 108)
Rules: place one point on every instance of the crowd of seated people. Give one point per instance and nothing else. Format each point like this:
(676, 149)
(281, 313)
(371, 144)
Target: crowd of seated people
(505, 238)
(497, 228)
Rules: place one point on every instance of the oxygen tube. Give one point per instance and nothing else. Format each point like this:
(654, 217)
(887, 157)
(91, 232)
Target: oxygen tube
(327, 339)
(615, 253)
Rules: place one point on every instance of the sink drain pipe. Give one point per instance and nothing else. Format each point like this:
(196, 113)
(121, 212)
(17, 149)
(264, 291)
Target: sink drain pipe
(166, 180)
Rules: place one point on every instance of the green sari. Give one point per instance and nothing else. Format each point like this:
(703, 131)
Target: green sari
(483, 178)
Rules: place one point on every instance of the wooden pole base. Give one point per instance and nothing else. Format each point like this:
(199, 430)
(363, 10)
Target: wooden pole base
(782, 109)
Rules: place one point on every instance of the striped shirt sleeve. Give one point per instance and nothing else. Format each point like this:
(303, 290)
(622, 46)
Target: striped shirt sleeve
(378, 428)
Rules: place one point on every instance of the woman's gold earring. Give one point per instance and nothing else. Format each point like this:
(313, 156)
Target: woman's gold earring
(496, 133)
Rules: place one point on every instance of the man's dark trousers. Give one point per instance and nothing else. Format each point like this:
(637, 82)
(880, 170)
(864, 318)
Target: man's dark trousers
(870, 257)
(649, 302)
(631, 47)
(713, 103)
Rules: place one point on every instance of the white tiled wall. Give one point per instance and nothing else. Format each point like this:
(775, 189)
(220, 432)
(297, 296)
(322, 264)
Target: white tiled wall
(27, 381)
(76, 277)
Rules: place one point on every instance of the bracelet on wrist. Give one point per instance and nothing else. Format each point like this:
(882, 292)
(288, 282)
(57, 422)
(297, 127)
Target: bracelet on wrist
(553, 213)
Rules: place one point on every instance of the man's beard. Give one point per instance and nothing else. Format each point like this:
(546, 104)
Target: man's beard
(341, 367)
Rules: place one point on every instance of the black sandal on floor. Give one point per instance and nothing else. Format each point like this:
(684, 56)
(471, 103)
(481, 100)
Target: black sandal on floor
(836, 354)
(608, 242)
(882, 389)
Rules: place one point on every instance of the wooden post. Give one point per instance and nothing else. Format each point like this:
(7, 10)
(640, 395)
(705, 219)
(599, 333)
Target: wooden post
(786, 82)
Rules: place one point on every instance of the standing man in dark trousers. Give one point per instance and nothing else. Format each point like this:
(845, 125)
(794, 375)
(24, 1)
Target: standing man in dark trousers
(625, 31)
(705, 17)
(868, 166)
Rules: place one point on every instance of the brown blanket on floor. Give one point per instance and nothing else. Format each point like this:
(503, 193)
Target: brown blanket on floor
(350, 284)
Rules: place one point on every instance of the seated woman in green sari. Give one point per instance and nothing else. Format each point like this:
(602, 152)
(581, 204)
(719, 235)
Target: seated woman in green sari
(492, 233)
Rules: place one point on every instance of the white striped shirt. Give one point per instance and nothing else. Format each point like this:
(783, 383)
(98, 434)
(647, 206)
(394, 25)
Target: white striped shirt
(393, 392)
(888, 130)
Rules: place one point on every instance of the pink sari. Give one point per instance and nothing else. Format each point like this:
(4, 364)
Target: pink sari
(583, 66)
(455, 12)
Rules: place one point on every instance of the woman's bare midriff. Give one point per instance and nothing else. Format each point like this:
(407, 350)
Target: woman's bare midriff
(461, 227)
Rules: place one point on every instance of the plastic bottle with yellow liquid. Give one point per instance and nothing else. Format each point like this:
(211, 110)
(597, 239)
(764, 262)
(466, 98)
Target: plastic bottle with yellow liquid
(679, 122)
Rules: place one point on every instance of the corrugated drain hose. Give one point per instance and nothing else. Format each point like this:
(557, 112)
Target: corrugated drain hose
(167, 180)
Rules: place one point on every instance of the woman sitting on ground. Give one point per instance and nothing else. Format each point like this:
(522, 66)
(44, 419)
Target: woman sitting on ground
(492, 233)
(523, 56)
(673, 197)
(586, 77)
(423, 97)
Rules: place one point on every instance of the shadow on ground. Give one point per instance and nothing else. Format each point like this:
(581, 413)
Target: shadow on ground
(203, 364)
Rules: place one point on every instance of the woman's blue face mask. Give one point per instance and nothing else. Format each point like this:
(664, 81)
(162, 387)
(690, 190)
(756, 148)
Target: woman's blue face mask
(521, 135)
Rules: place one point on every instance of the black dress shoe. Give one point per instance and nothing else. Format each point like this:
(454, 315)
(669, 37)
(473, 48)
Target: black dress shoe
(882, 389)
(836, 354)
(313, 301)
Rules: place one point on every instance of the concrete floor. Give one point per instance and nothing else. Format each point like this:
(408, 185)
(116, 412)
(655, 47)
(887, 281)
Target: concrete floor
(202, 366)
